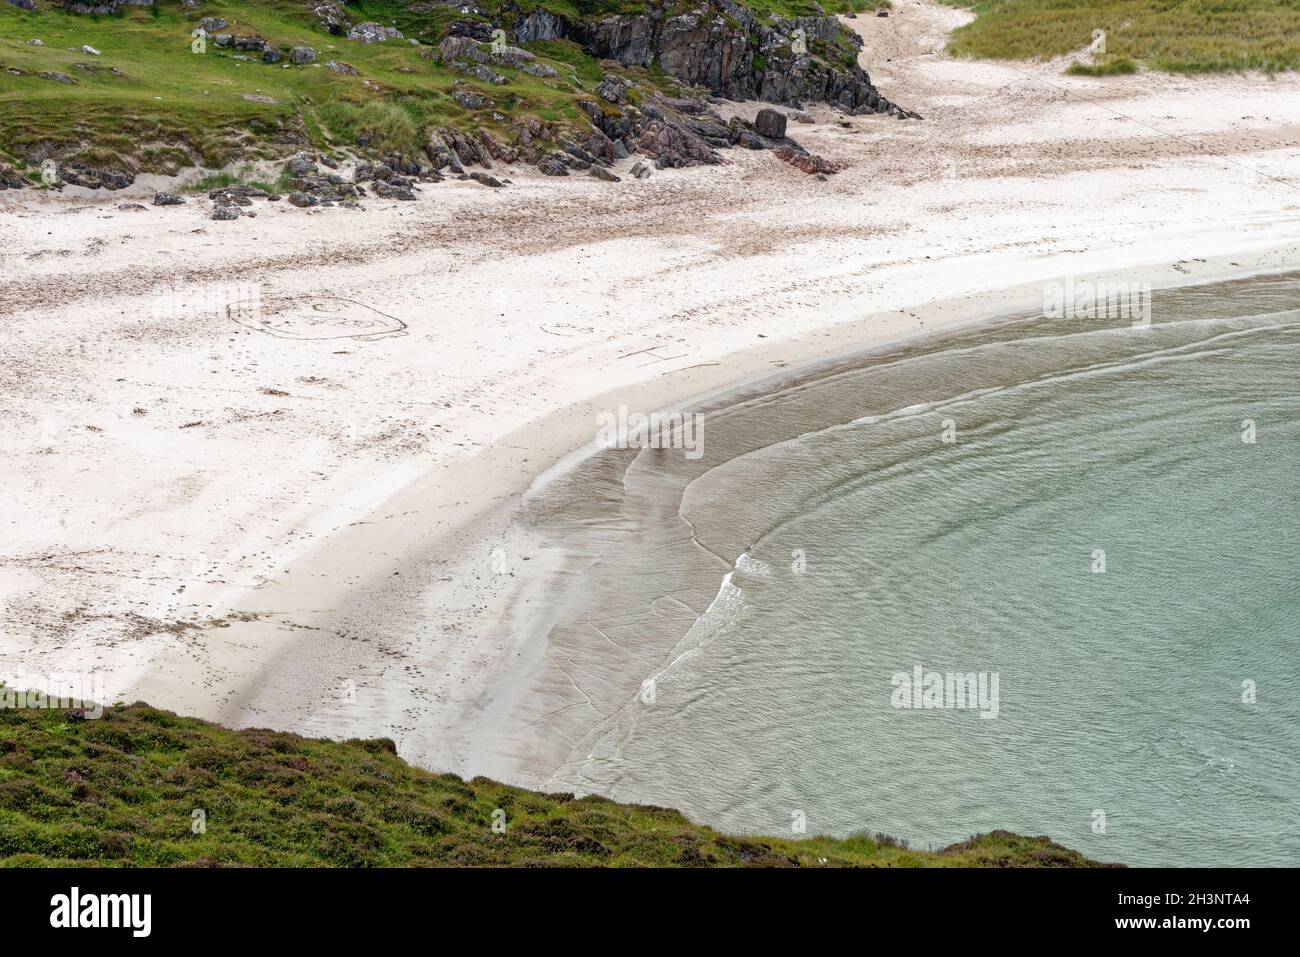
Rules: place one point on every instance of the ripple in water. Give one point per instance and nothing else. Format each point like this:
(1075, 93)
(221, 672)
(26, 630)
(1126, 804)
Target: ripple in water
(733, 624)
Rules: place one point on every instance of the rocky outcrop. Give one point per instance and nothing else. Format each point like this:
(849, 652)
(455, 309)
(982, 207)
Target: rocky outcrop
(729, 50)
(371, 32)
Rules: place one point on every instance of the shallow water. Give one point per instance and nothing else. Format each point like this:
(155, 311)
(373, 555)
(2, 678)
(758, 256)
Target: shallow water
(947, 505)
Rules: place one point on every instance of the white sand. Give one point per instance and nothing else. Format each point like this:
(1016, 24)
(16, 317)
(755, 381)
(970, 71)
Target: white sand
(236, 553)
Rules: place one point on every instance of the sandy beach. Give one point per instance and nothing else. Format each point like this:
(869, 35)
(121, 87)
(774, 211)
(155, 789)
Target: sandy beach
(241, 523)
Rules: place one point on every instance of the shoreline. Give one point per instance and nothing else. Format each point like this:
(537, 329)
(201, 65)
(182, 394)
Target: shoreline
(260, 532)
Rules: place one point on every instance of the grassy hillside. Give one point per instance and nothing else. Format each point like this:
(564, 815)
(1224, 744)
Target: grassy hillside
(127, 789)
(150, 100)
(1188, 36)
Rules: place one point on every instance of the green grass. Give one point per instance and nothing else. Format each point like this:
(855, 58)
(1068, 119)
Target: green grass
(171, 107)
(125, 789)
(1122, 65)
(1188, 36)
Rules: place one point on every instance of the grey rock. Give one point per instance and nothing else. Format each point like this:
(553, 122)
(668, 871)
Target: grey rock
(301, 55)
(486, 180)
(225, 212)
(345, 69)
(167, 199)
(90, 51)
(770, 123)
(600, 172)
(388, 190)
(300, 164)
(24, 5)
(468, 99)
(371, 32)
(554, 164)
(612, 88)
(488, 75)
(213, 24)
(331, 16)
(641, 169)
(301, 199)
(56, 76)
(131, 207)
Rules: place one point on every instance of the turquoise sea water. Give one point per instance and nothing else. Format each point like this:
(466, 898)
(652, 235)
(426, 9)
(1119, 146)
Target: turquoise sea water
(831, 538)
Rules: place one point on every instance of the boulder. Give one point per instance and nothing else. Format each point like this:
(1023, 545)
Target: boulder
(486, 180)
(770, 123)
(468, 99)
(301, 199)
(331, 16)
(371, 32)
(225, 212)
(641, 169)
(344, 69)
(167, 199)
(213, 24)
(600, 172)
(612, 88)
(300, 55)
(554, 164)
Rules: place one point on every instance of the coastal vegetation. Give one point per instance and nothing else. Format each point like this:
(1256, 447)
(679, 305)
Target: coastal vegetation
(142, 786)
(128, 86)
(1183, 36)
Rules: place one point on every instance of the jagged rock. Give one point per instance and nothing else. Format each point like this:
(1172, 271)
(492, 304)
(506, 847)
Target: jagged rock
(346, 69)
(808, 162)
(371, 32)
(271, 55)
(486, 180)
(167, 199)
(487, 75)
(540, 25)
(302, 200)
(612, 88)
(799, 116)
(461, 48)
(331, 16)
(476, 29)
(9, 178)
(497, 150)
(300, 55)
(641, 169)
(56, 76)
(225, 212)
(729, 50)
(538, 69)
(131, 207)
(600, 172)
(78, 174)
(468, 99)
(387, 190)
(89, 50)
(213, 24)
(770, 123)
(300, 164)
(554, 164)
